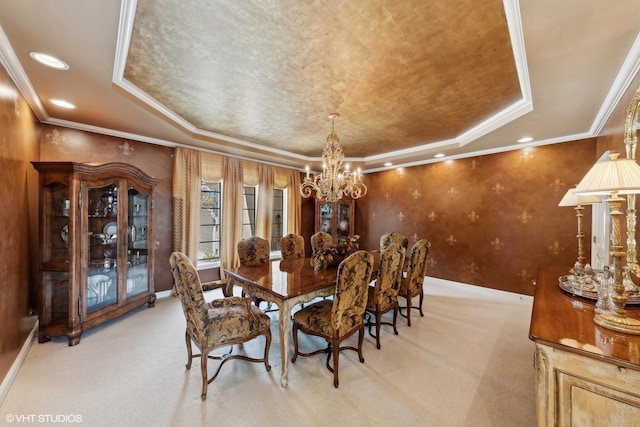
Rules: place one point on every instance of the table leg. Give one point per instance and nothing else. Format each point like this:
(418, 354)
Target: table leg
(285, 331)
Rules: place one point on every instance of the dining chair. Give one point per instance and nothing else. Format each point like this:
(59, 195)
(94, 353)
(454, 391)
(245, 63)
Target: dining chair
(292, 246)
(254, 251)
(337, 319)
(320, 240)
(393, 237)
(383, 294)
(222, 322)
(412, 282)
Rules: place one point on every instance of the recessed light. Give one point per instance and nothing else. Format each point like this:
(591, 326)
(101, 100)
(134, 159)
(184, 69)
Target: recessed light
(525, 139)
(437, 156)
(388, 164)
(62, 103)
(49, 61)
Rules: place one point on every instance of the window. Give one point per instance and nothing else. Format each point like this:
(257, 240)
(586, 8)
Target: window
(248, 211)
(211, 218)
(210, 221)
(278, 220)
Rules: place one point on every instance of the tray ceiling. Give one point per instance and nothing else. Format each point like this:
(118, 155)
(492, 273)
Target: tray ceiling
(257, 79)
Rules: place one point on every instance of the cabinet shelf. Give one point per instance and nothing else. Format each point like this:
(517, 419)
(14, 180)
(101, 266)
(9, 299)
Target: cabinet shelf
(86, 272)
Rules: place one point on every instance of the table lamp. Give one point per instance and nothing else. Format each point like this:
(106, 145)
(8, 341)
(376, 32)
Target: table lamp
(612, 178)
(571, 199)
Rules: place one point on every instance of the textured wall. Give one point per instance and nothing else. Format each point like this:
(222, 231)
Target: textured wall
(18, 216)
(491, 220)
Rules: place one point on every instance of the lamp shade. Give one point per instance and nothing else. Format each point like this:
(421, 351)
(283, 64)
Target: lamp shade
(614, 175)
(571, 199)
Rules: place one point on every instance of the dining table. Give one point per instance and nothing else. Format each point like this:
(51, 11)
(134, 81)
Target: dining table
(285, 283)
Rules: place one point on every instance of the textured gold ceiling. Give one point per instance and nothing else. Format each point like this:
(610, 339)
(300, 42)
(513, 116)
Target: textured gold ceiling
(400, 73)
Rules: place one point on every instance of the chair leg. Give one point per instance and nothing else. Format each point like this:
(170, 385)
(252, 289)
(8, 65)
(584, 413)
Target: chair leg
(295, 343)
(336, 356)
(395, 318)
(421, 298)
(267, 345)
(378, 315)
(203, 370)
(408, 297)
(360, 341)
(189, 352)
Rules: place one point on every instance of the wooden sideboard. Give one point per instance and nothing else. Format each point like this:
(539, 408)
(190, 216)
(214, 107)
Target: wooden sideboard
(586, 375)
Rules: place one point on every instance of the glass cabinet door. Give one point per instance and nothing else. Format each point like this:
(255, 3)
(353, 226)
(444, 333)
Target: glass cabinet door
(102, 223)
(56, 224)
(137, 242)
(55, 254)
(344, 219)
(326, 217)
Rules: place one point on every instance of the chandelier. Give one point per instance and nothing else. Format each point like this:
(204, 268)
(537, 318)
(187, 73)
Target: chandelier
(334, 182)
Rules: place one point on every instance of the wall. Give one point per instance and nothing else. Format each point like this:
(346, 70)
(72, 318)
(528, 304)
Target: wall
(70, 145)
(491, 220)
(18, 216)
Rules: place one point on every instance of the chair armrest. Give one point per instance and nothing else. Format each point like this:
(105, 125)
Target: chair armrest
(229, 301)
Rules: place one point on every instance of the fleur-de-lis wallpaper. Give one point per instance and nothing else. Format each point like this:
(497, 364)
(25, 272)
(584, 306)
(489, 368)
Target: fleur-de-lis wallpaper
(491, 220)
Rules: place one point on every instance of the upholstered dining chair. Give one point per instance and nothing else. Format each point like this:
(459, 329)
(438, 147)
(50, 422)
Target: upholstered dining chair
(320, 240)
(292, 246)
(393, 237)
(220, 323)
(411, 283)
(253, 251)
(337, 319)
(383, 295)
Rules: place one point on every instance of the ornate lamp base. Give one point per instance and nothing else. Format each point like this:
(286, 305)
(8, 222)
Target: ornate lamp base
(618, 323)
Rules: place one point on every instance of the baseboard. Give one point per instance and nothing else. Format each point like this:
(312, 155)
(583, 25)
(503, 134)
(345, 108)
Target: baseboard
(15, 367)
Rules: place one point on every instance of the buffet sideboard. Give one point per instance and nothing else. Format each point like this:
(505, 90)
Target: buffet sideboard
(586, 375)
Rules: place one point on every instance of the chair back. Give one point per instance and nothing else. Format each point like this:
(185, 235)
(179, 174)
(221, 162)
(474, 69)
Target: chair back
(320, 241)
(292, 246)
(350, 298)
(389, 275)
(189, 288)
(418, 264)
(393, 237)
(253, 251)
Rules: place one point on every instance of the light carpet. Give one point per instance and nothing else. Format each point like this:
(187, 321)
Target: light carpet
(468, 362)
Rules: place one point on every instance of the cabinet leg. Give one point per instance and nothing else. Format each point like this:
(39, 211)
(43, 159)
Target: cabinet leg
(74, 339)
(152, 300)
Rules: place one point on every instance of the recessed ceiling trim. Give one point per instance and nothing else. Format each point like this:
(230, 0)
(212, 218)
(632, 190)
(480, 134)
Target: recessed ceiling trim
(624, 78)
(155, 141)
(125, 26)
(509, 114)
(514, 24)
(14, 68)
(558, 140)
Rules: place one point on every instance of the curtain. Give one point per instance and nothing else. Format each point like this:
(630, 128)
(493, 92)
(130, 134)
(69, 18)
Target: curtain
(231, 213)
(186, 202)
(264, 208)
(191, 166)
(294, 203)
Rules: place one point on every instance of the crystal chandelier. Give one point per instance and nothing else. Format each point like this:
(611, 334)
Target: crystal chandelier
(334, 182)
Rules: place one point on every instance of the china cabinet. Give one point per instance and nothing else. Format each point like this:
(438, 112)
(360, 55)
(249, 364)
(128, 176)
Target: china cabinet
(96, 245)
(335, 218)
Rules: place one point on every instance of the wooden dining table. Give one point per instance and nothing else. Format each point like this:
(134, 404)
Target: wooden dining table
(286, 284)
